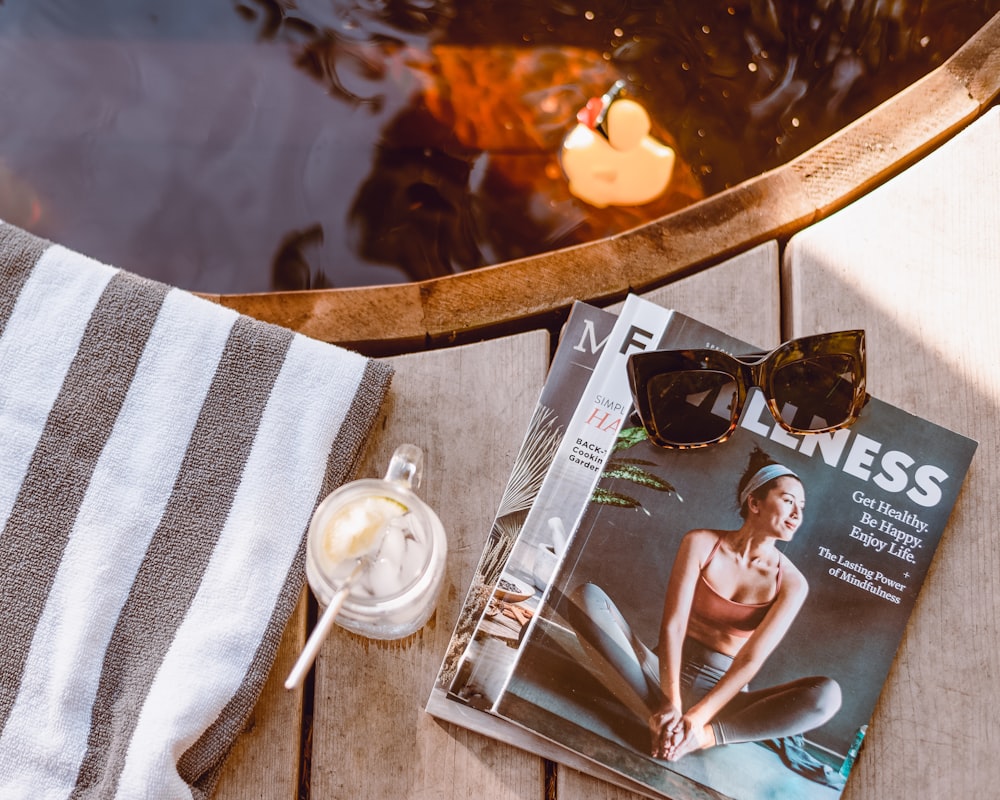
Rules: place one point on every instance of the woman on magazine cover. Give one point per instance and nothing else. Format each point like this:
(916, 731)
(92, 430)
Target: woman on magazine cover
(730, 599)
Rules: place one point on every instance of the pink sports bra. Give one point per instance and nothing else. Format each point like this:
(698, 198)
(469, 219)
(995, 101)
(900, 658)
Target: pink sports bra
(715, 611)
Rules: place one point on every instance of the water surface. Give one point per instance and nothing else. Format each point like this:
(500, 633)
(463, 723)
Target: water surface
(249, 146)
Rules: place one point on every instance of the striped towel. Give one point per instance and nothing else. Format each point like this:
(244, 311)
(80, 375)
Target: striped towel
(160, 457)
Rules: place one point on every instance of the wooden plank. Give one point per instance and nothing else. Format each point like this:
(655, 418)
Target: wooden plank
(916, 264)
(264, 762)
(467, 408)
(739, 296)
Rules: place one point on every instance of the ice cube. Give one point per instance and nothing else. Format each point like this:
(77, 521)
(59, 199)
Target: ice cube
(393, 547)
(382, 578)
(413, 559)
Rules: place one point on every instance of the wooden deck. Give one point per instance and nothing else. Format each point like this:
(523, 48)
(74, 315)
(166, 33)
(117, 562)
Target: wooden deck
(916, 262)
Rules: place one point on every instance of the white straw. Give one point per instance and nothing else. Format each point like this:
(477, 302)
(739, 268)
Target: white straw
(322, 629)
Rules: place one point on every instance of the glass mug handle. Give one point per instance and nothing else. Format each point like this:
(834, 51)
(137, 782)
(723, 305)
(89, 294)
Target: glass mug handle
(406, 467)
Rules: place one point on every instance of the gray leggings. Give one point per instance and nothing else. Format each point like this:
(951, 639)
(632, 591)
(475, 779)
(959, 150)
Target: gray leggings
(630, 670)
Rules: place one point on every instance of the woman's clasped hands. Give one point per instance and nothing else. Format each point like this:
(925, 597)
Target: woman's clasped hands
(675, 734)
(666, 728)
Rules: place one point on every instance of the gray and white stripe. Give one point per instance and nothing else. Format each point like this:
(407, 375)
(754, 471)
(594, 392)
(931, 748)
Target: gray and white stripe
(160, 457)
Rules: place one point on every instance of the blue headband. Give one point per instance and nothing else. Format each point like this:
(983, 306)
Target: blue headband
(766, 473)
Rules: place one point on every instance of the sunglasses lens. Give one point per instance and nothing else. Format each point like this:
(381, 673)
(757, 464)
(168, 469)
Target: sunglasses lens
(691, 407)
(816, 393)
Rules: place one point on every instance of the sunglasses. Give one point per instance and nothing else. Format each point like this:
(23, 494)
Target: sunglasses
(694, 398)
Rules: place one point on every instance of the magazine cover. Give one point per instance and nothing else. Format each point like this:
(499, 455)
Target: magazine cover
(640, 661)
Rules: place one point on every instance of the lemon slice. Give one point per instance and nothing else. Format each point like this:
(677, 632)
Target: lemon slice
(352, 531)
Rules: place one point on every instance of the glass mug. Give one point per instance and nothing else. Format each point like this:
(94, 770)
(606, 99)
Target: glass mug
(394, 579)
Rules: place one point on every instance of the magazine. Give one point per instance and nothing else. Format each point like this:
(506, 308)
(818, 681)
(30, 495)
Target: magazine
(870, 506)
(583, 339)
(579, 412)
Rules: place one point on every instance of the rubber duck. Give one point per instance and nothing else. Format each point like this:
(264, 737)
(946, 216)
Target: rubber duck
(609, 156)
